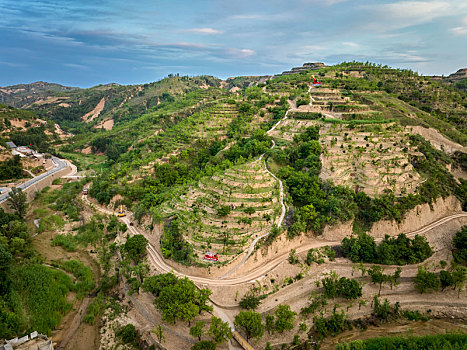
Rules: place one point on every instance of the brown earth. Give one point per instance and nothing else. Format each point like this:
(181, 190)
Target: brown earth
(88, 117)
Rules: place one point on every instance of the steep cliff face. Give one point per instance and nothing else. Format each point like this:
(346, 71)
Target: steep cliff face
(417, 218)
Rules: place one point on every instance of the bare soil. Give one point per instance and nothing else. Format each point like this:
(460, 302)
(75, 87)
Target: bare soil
(88, 117)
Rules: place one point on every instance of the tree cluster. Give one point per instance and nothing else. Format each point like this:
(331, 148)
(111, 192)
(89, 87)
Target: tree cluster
(177, 298)
(399, 250)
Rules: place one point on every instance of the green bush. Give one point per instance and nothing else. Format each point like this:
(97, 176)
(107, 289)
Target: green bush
(426, 281)
(460, 246)
(82, 273)
(427, 342)
(67, 242)
(94, 309)
(414, 316)
(129, 334)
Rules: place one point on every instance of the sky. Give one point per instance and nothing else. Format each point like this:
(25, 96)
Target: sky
(89, 42)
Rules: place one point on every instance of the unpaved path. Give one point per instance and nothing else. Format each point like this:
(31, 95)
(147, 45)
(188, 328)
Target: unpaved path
(253, 275)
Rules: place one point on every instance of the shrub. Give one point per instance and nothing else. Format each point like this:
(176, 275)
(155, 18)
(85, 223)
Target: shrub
(249, 302)
(460, 246)
(428, 342)
(426, 281)
(129, 334)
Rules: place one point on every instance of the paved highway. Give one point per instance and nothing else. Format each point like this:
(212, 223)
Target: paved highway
(59, 165)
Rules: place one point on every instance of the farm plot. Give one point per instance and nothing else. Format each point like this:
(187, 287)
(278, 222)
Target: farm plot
(288, 128)
(217, 121)
(368, 157)
(224, 213)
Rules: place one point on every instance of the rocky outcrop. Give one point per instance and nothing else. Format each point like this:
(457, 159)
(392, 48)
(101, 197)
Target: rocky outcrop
(459, 75)
(305, 67)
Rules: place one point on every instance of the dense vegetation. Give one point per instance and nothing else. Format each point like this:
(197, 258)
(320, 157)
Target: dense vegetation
(177, 298)
(427, 342)
(318, 203)
(11, 169)
(460, 246)
(399, 250)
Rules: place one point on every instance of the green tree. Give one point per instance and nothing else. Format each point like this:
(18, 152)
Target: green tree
(459, 275)
(219, 330)
(446, 279)
(159, 332)
(223, 210)
(460, 246)
(135, 247)
(425, 281)
(129, 334)
(204, 345)
(285, 318)
(270, 324)
(377, 276)
(197, 330)
(249, 302)
(359, 249)
(251, 323)
(6, 260)
(177, 298)
(17, 200)
(394, 278)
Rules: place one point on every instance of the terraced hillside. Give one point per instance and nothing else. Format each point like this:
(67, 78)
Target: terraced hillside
(225, 212)
(369, 157)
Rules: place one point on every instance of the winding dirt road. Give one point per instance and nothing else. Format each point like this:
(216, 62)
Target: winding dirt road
(255, 274)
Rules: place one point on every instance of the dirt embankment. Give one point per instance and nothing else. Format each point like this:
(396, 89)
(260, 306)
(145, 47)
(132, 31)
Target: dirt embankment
(107, 124)
(438, 140)
(418, 217)
(88, 117)
(415, 219)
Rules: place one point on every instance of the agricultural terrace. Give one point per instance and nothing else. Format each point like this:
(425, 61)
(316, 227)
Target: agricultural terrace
(368, 157)
(225, 212)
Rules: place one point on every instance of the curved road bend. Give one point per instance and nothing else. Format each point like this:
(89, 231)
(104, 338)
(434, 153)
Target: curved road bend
(59, 165)
(260, 271)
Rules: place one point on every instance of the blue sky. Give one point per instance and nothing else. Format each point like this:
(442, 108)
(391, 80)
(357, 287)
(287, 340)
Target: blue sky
(88, 42)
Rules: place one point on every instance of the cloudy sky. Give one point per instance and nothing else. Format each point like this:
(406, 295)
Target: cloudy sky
(88, 42)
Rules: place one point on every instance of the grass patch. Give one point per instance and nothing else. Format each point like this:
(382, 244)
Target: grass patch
(51, 222)
(42, 292)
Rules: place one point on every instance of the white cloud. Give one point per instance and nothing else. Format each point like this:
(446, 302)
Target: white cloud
(461, 30)
(208, 31)
(240, 53)
(407, 57)
(75, 66)
(408, 13)
(351, 44)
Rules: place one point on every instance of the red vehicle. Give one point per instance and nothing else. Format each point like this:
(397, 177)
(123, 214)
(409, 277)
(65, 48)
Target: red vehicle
(85, 191)
(211, 256)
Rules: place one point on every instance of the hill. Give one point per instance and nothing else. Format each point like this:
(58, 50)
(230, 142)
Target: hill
(102, 106)
(293, 188)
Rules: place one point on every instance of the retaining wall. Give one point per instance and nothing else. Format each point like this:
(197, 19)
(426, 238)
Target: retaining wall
(40, 185)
